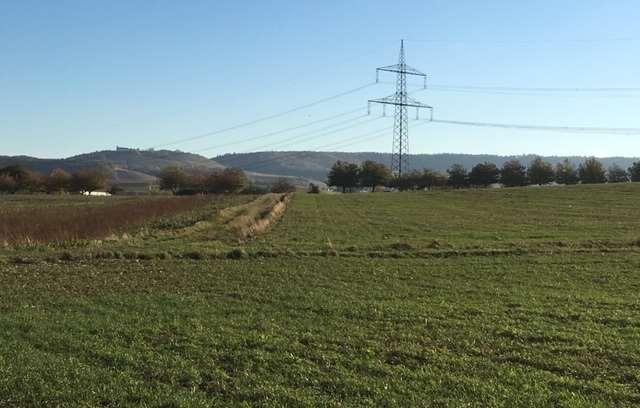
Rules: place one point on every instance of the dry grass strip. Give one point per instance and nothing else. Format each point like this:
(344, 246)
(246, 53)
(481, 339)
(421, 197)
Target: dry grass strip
(58, 224)
(248, 220)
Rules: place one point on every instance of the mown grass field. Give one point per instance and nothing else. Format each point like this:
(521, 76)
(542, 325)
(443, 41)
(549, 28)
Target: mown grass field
(506, 218)
(518, 297)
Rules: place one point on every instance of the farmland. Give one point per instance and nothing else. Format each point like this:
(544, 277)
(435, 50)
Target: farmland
(513, 297)
(510, 218)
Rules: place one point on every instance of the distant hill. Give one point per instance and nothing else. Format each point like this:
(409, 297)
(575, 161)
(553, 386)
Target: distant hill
(135, 167)
(316, 165)
(149, 162)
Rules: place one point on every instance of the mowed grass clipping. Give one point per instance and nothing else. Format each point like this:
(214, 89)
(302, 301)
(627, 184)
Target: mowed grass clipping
(500, 218)
(486, 331)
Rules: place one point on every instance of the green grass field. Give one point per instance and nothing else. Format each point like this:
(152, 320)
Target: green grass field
(520, 217)
(515, 297)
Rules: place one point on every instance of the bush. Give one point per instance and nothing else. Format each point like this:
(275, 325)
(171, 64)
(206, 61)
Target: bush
(180, 182)
(115, 189)
(591, 171)
(458, 177)
(173, 179)
(283, 186)
(88, 180)
(540, 172)
(484, 174)
(314, 189)
(58, 181)
(23, 180)
(237, 253)
(344, 175)
(230, 180)
(513, 174)
(430, 179)
(566, 173)
(419, 180)
(256, 189)
(372, 174)
(195, 255)
(634, 171)
(616, 174)
(8, 184)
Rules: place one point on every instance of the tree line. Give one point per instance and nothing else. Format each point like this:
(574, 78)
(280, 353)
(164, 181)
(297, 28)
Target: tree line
(370, 174)
(18, 179)
(223, 181)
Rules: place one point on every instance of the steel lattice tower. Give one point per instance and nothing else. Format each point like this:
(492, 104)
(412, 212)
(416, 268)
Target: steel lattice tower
(401, 101)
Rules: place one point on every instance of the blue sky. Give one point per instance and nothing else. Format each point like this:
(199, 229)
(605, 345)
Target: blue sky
(79, 76)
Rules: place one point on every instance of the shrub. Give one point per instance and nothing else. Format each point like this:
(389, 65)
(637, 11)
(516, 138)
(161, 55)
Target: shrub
(173, 179)
(237, 253)
(591, 171)
(8, 184)
(616, 174)
(230, 180)
(66, 256)
(513, 174)
(57, 181)
(255, 189)
(180, 182)
(407, 181)
(566, 173)
(283, 186)
(115, 189)
(430, 178)
(419, 180)
(344, 175)
(634, 171)
(458, 177)
(194, 255)
(484, 174)
(372, 174)
(314, 189)
(21, 180)
(88, 180)
(540, 172)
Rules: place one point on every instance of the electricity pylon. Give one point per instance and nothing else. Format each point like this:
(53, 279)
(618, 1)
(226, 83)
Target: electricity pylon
(401, 101)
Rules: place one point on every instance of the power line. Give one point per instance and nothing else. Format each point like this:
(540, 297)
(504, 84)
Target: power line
(265, 118)
(306, 137)
(357, 139)
(524, 42)
(569, 129)
(277, 132)
(590, 95)
(370, 138)
(466, 87)
(373, 135)
(280, 131)
(342, 145)
(261, 163)
(576, 89)
(532, 89)
(365, 135)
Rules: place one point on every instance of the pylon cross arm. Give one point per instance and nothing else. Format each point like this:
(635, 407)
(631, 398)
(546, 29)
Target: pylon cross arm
(391, 101)
(403, 69)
